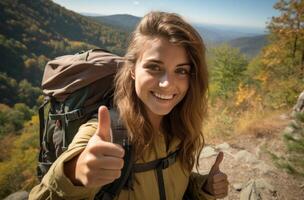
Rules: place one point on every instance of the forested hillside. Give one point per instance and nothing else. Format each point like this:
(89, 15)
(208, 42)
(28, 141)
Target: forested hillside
(32, 32)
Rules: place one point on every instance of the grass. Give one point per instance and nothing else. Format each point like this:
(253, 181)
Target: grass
(224, 124)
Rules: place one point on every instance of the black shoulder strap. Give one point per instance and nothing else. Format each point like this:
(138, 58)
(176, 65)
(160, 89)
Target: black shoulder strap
(120, 136)
(162, 163)
(159, 165)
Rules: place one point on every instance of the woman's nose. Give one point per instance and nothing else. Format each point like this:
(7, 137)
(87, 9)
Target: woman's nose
(164, 80)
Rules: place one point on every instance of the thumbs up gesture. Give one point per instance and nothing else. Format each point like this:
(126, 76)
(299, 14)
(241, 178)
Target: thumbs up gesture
(101, 161)
(217, 182)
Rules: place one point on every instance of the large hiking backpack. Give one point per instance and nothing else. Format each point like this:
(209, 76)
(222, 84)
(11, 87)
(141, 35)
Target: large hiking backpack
(74, 87)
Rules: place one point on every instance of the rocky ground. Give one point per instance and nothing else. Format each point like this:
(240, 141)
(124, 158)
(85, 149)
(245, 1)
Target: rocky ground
(250, 169)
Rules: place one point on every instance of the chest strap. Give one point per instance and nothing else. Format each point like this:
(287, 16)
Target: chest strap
(159, 165)
(162, 163)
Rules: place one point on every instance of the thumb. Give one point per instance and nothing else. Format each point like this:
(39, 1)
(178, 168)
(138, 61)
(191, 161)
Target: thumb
(216, 166)
(104, 124)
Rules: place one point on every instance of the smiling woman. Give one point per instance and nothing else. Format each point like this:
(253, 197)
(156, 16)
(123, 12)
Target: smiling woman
(160, 97)
(161, 77)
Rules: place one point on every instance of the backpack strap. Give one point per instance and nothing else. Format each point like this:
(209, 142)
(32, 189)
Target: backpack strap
(42, 167)
(120, 136)
(41, 116)
(159, 165)
(162, 163)
(75, 114)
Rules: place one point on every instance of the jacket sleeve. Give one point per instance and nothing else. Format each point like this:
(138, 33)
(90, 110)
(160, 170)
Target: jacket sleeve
(195, 185)
(55, 185)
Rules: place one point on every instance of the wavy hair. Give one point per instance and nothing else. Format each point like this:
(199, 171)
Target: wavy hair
(186, 119)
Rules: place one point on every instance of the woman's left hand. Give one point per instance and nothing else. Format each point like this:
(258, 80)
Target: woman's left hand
(217, 182)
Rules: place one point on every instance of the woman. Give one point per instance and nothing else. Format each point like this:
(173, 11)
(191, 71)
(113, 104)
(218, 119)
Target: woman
(160, 96)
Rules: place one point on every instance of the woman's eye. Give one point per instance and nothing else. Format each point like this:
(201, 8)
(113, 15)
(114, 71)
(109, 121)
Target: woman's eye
(182, 71)
(153, 67)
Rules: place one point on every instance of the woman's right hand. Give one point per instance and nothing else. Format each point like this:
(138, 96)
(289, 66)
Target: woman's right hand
(100, 163)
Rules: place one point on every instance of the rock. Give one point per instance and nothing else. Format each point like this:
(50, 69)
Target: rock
(237, 186)
(258, 152)
(263, 167)
(245, 156)
(299, 107)
(283, 117)
(259, 149)
(20, 195)
(263, 184)
(257, 189)
(250, 191)
(208, 151)
(289, 130)
(294, 124)
(222, 147)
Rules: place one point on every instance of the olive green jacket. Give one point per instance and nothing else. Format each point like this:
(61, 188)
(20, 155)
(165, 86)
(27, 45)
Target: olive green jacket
(55, 185)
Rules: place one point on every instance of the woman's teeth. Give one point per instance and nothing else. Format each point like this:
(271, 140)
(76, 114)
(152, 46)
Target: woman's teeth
(165, 97)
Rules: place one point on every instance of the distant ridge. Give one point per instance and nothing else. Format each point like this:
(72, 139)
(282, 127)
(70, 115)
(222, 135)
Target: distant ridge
(250, 46)
(248, 43)
(124, 22)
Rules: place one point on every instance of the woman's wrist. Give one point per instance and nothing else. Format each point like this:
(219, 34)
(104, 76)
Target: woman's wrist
(69, 168)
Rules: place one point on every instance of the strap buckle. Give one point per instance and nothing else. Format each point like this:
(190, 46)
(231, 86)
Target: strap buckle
(73, 115)
(166, 162)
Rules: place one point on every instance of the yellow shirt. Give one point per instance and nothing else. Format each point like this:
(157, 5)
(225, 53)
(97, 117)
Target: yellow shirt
(55, 185)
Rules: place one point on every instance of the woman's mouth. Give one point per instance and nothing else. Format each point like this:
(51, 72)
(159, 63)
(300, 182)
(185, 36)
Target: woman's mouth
(163, 96)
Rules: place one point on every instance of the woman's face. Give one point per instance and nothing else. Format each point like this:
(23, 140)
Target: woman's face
(161, 76)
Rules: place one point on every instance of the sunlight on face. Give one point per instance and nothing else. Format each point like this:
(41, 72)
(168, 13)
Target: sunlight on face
(161, 76)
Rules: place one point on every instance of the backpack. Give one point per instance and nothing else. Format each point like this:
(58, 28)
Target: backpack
(74, 86)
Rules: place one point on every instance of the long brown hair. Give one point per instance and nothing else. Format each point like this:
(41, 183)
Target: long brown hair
(186, 118)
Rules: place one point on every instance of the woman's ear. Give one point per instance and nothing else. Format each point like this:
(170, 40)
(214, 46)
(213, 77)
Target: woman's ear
(132, 73)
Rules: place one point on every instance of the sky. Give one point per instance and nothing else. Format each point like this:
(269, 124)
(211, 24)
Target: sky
(242, 13)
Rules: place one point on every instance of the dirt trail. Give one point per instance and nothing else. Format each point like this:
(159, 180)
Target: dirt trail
(246, 159)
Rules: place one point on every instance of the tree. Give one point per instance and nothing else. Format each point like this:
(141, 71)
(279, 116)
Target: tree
(11, 120)
(293, 161)
(17, 171)
(227, 67)
(8, 89)
(288, 29)
(27, 112)
(281, 62)
(27, 93)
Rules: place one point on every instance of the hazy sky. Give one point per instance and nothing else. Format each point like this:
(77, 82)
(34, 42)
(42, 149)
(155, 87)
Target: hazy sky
(248, 13)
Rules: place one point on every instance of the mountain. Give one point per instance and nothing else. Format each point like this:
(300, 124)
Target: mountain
(250, 46)
(122, 21)
(213, 34)
(43, 29)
